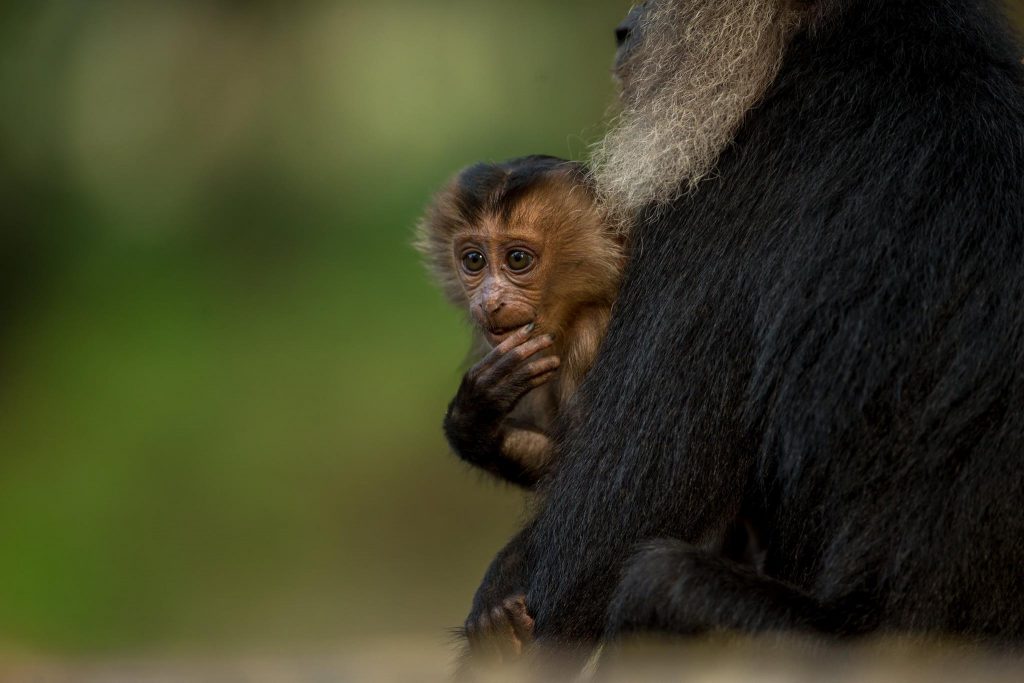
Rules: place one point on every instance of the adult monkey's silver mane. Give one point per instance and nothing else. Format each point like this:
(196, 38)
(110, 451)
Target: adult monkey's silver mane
(698, 66)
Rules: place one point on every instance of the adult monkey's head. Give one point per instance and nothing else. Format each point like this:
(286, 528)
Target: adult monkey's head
(688, 71)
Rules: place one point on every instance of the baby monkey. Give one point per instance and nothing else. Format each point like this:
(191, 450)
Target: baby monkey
(522, 247)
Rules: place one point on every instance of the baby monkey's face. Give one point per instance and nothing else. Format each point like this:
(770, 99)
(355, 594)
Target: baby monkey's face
(503, 271)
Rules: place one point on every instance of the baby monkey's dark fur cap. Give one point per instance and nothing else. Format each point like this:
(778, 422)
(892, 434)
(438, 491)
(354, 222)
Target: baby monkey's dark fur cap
(540, 190)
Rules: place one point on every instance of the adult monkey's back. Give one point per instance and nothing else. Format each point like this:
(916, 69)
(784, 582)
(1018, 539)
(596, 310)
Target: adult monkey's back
(821, 330)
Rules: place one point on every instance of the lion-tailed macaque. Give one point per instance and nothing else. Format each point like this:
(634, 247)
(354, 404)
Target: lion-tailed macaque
(522, 247)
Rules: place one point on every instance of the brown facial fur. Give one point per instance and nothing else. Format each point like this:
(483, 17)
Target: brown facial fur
(569, 290)
(698, 66)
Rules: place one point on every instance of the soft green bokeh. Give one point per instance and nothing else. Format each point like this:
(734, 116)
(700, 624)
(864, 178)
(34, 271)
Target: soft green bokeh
(222, 370)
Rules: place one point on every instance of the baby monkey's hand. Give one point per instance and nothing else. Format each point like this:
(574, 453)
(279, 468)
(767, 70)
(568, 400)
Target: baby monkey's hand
(508, 372)
(502, 631)
(475, 425)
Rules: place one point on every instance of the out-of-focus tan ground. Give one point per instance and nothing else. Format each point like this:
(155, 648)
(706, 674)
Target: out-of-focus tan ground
(425, 659)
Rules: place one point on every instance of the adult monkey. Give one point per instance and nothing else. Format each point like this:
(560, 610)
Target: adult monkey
(821, 329)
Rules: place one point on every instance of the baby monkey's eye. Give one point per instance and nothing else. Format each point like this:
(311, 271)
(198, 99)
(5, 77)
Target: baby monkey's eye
(473, 261)
(519, 259)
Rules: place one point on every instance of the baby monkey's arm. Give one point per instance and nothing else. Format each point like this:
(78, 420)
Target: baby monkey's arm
(477, 424)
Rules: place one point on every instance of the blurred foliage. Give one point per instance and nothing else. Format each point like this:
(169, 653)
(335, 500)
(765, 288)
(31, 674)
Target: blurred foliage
(222, 370)
(223, 367)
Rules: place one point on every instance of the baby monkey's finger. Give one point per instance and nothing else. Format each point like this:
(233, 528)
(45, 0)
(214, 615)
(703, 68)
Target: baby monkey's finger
(523, 351)
(537, 372)
(541, 380)
(541, 366)
(514, 339)
(521, 620)
(499, 352)
(519, 379)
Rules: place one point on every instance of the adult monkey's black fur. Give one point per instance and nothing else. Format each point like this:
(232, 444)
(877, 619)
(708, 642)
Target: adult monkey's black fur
(826, 337)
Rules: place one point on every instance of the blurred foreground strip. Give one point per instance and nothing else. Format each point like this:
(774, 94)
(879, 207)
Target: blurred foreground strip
(718, 660)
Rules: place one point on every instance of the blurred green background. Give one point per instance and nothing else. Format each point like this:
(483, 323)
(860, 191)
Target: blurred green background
(222, 369)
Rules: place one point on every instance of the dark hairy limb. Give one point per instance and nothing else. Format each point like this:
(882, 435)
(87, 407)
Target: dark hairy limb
(674, 588)
(476, 424)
